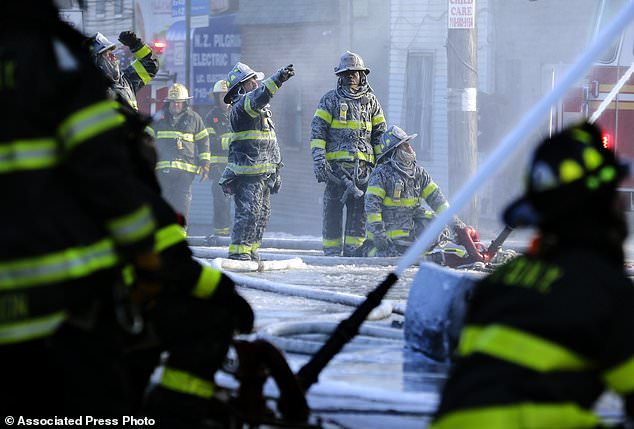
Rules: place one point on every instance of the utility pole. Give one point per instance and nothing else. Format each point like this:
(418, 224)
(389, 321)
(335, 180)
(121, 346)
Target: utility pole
(462, 84)
(188, 43)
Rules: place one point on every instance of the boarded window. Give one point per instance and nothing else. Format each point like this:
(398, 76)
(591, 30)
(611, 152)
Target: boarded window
(418, 100)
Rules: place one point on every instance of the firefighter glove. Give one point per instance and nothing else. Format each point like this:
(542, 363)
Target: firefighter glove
(322, 170)
(285, 73)
(130, 39)
(276, 183)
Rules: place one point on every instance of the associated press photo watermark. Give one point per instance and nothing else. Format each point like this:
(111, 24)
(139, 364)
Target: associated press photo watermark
(85, 421)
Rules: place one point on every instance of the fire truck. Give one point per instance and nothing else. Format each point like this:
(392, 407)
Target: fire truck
(617, 118)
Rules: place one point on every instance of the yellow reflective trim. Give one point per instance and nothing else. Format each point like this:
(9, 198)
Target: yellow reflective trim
(401, 202)
(204, 156)
(211, 131)
(441, 208)
(90, 121)
(184, 382)
(149, 130)
(271, 86)
(369, 235)
(378, 120)
(349, 156)
(225, 140)
(252, 169)
(323, 114)
(375, 190)
(569, 171)
(207, 282)
(621, 378)
(318, 143)
(375, 217)
(141, 71)
(145, 50)
(373, 251)
(132, 227)
(397, 233)
(218, 159)
(429, 189)
(248, 108)
(354, 241)
(331, 243)
(189, 137)
(179, 165)
(353, 125)
(168, 236)
(202, 134)
(28, 154)
(252, 135)
(521, 348)
(27, 330)
(68, 264)
(520, 416)
(239, 248)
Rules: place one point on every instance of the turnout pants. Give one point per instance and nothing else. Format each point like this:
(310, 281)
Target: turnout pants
(252, 211)
(222, 203)
(334, 239)
(176, 188)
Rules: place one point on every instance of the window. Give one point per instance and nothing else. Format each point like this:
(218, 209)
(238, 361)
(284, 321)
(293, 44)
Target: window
(118, 7)
(100, 7)
(418, 100)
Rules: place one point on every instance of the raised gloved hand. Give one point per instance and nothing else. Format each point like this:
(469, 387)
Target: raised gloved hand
(322, 170)
(285, 73)
(382, 242)
(131, 40)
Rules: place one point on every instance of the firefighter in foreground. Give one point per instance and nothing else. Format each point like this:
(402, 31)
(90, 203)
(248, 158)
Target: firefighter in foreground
(81, 208)
(395, 205)
(253, 169)
(219, 129)
(548, 332)
(124, 85)
(346, 129)
(182, 144)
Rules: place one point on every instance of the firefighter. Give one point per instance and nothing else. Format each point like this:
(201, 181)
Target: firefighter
(396, 201)
(548, 332)
(346, 128)
(66, 224)
(253, 169)
(124, 85)
(219, 129)
(182, 144)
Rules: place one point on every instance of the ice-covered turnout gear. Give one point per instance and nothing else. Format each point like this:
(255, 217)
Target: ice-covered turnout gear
(124, 85)
(252, 171)
(547, 333)
(182, 145)
(402, 199)
(219, 129)
(345, 131)
(76, 213)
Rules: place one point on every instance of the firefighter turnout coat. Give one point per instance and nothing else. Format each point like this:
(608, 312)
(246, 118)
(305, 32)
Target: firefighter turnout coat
(72, 208)
(543, 338)
(346, 133)
(135, 76)
(182, 145)
(396, 204)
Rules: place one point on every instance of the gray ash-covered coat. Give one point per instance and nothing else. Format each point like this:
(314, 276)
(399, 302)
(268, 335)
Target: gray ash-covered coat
(396, 205)
(344, 129)
(253, 149)
(135, 76)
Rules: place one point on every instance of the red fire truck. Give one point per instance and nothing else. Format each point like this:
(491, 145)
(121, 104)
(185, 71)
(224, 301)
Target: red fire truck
(617, 119)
